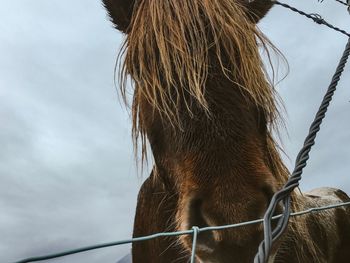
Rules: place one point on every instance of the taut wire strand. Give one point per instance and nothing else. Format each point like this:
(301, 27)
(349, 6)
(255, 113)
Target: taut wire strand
(179, 233)
(339, 1)
(196, 231)
(315, 17)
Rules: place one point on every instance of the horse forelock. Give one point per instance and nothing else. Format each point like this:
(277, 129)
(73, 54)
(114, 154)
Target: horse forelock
(170, 49)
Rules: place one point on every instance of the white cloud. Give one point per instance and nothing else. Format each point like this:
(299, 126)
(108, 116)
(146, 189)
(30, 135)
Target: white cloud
(66, 162)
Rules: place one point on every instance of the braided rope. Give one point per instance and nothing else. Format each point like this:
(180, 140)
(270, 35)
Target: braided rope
(301, 161)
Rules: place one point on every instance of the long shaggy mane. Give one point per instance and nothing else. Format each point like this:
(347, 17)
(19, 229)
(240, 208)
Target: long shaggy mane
(167, 52)
(170, 50)
(173, 46)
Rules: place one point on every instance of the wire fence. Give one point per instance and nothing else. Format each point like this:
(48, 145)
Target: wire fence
(270, 235)
(347, 3)
(194, 232)
(284, 195)
(341, 2)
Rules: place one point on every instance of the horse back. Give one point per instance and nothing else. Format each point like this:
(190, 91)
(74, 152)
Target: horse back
(322, 236)
(334, 224)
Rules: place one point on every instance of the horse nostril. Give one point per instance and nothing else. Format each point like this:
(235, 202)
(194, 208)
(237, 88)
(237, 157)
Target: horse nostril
(195, 213)
(196, 217)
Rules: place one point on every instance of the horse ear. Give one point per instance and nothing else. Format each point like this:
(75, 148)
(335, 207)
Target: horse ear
(120, 12)
(257, 9)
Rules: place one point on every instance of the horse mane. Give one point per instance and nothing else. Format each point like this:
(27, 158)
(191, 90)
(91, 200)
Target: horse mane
(172, 47)
(169, 52)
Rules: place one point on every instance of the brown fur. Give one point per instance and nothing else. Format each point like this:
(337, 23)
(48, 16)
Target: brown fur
(202, 100)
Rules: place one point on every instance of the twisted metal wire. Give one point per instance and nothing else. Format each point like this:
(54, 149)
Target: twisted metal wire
(339, 1)
(343, 3)
(315, 17)
(194, 231)
(270, 235)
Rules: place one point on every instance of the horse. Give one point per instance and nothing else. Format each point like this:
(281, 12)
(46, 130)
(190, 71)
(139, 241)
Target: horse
(204, 103)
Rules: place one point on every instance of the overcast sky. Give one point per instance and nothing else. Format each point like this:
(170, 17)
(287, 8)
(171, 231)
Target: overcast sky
(68, 177)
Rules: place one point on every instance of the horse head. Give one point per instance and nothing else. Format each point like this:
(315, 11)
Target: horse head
(202, 100)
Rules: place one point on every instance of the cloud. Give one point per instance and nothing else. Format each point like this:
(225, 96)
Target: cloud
(66, 162)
